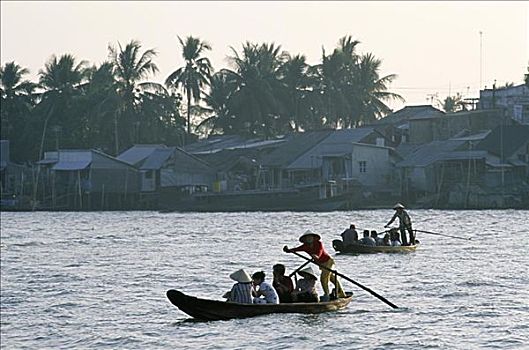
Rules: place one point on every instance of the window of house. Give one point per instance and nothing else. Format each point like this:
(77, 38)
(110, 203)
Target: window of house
(362, 166)
(148, 174)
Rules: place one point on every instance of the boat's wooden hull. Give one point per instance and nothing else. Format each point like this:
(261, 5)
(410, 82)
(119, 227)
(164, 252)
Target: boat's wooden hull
(212, 310)
(362, 249)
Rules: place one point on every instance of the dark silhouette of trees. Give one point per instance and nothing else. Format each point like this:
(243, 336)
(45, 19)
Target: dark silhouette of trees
(195, 75)
(265, 92)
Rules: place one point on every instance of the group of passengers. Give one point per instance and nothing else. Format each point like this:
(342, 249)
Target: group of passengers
(255, 290)
(390, 238)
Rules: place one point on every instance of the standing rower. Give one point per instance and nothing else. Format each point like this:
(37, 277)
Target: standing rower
(313, 246)
(404, 223)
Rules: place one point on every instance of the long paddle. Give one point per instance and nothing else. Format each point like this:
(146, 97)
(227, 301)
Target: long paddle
(441, 234)
(299, 268)
(348, 279)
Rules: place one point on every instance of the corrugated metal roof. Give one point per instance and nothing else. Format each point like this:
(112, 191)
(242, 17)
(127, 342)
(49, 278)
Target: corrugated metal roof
(411, 112)
(227, 158)
(463, 155)
(215, 144)
(505, 139)
(138, 153)
(157, 158)
(294, 147)
(429, 153)
(72, 165)
(348, 135)
(184, 161)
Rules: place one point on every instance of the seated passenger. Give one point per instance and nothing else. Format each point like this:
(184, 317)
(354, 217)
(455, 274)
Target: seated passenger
(282, 284)
(386, 241)
(241, 292)
(394, 236)
(378, 240)
(306, 287)
(263, 289)
(366, 240)
(350, 236)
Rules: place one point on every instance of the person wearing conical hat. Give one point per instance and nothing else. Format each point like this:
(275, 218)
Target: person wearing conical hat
(241, 292)
(404, 223)
(312, 245)
(306, 287)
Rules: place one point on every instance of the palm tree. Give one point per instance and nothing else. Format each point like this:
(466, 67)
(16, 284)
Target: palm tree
(255, 102)
(371, 91)
(330, 82)
(219, 117)
(164, 123)
(61, 80)
(453, 104)
(195, 75)
(16, 98)
(130, 67)
(352, 90)
(299, 97)
(98, 106)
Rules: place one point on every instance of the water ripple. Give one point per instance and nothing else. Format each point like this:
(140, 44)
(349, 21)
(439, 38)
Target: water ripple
(98, 280)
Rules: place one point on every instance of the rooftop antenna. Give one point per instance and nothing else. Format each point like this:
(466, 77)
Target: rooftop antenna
(431, 97)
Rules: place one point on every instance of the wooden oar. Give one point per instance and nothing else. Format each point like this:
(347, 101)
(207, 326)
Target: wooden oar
(441, 234)
(348, 279)
(299, 268)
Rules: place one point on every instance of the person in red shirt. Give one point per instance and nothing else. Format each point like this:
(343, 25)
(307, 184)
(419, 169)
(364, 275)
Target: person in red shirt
(312, 245)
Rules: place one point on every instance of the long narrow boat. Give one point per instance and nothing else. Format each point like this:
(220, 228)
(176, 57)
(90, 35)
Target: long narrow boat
(212, 310)
(363, 249)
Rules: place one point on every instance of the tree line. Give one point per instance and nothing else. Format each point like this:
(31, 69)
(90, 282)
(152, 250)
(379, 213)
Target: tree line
(263, 93)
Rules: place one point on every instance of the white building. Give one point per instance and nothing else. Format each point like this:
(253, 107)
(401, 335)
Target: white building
(513, 100)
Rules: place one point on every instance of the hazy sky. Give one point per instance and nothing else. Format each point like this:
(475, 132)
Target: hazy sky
(433, 47)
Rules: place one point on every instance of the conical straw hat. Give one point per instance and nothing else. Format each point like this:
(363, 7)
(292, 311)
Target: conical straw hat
(309, 233)
(308, 271)
(241, 276)
(398, 206)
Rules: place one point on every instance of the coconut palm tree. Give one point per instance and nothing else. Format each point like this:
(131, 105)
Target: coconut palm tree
(16, 98)
(453, 104)
(219, 117)
(165, 124)
(370, 91)
(352, 90)
(98, 106)
(61, 80)
(255, 102)
(299, 99)
(195, 75)
(330, 82)
(131, 66)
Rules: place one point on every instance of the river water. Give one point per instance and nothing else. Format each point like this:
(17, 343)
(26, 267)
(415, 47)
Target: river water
(98, 280)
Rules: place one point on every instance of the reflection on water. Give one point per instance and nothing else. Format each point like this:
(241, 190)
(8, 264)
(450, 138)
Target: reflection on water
(98, 280)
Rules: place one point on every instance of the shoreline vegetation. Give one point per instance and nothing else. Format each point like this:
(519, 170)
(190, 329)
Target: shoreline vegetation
(64, 137)
(264, 92)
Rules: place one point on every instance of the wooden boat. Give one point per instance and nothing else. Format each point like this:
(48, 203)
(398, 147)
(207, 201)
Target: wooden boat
(212, 310)
(363, 249)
